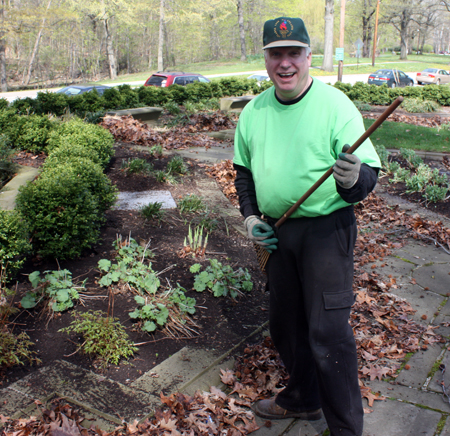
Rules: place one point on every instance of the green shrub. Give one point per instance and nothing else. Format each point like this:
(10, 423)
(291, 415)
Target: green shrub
(90, 174)
(3, 103)
(129, 96)
(70, 152)
(198, 91)
(32, 132)
(7, 166)
(411, 157)
(417, 105)
(51, 103)
(63, 215)
(14, 244)
(113, 99)
(24, 106)
(152, 211)
(78, 132)
(231, 86)
(178, 94)
(176, 165)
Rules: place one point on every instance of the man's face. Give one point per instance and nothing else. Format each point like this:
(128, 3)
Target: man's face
(288, 68)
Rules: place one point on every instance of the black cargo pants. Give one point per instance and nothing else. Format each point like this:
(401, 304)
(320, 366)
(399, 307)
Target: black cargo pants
(310, 281)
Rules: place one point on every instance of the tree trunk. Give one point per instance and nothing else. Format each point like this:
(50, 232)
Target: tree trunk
(3, 81)
(35, 48)
(110, 51)
(241, 30)
(327, 64)
(161, 37)
(403, 35)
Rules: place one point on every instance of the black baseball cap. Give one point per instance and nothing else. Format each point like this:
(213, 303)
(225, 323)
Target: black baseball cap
(285, 32)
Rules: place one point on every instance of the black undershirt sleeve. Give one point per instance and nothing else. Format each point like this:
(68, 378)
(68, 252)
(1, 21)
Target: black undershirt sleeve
(245, 188)
(363, 187)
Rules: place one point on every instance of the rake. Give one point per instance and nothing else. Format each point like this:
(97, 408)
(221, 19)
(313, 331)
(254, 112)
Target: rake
(262, 255)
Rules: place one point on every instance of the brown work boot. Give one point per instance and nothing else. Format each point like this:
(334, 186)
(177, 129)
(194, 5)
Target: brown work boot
(270, 410)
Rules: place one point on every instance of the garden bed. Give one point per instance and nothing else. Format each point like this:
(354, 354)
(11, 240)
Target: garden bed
(222, 322)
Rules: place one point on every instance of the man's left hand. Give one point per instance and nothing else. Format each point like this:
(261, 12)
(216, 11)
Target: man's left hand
(346, 169)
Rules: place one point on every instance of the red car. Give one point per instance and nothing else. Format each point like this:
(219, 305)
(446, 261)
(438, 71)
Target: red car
(167, 78)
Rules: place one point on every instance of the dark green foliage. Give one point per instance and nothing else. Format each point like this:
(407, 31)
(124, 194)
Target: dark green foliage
(178, 93)
(68, 152)
(90, 174)
(113, 99)
(94, 117)
(7, 166)
(78, 132)
(198, 91)
(14, 244)
(3, 103)
(232, 86)
(62, 213)
(129, 96)
(24, 106)
(51, 103)
(31, 132)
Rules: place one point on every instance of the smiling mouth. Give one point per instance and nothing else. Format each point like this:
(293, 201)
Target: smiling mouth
(286, 75)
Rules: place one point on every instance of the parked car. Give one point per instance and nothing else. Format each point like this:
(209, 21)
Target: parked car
(167, 78)
(391, 78)
(259, 77)
(433, 75)
(80, 89)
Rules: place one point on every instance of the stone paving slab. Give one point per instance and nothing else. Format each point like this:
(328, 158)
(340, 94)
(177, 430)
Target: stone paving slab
(420, 365)
(102, 396)
(395, 418)
(434, 277)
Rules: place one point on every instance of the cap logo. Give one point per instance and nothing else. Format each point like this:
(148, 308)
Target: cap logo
(283, 28)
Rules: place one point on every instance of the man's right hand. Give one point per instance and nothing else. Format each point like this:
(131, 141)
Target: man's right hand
(260, 233)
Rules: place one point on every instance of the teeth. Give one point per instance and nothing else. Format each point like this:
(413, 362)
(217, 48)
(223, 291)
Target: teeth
(286, 75)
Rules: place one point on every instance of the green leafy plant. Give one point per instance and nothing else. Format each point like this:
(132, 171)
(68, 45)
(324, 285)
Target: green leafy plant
(176, 165)
(362, 106)
(221, 280)
(104, 338)
(383, 154)
(55, 288)
(172, 108)
(191, 203)
(132, 268)
(152, 211)
(194, 244)
(156, 150)
(136, 166)
(411, 157)
(435, 193)
(169, 309)
(400, 174)
(15, 349)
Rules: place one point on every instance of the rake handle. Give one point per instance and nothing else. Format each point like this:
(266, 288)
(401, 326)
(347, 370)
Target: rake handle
(363, 137)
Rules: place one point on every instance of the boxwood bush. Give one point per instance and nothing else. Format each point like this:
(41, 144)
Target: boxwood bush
(14, 244)
(31, 132)
(62, 213)
(76, 131)
(89, 172)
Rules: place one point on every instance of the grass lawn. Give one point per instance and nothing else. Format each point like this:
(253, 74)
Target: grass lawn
(401, 135)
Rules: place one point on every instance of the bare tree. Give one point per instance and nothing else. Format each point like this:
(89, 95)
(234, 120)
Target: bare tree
(327, 63)
(161, 36)
(241, 30)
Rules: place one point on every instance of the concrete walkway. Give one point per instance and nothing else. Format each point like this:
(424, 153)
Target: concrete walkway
(414, 403)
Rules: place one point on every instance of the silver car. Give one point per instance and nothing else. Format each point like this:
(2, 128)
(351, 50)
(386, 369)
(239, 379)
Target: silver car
(433, 75)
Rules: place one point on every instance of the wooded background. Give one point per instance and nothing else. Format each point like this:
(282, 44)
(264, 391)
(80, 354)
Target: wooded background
(53, 42)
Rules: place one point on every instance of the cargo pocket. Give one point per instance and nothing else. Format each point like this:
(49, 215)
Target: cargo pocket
(334, 327)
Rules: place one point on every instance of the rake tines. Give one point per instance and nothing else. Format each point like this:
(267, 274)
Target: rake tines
(262, 255)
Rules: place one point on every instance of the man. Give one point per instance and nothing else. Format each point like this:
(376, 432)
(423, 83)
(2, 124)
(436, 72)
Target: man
(286, 139)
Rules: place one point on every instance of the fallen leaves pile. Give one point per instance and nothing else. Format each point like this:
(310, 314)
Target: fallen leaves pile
(127, 129)
(433, 121)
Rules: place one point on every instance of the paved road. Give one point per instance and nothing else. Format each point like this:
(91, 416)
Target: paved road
(347, 78)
